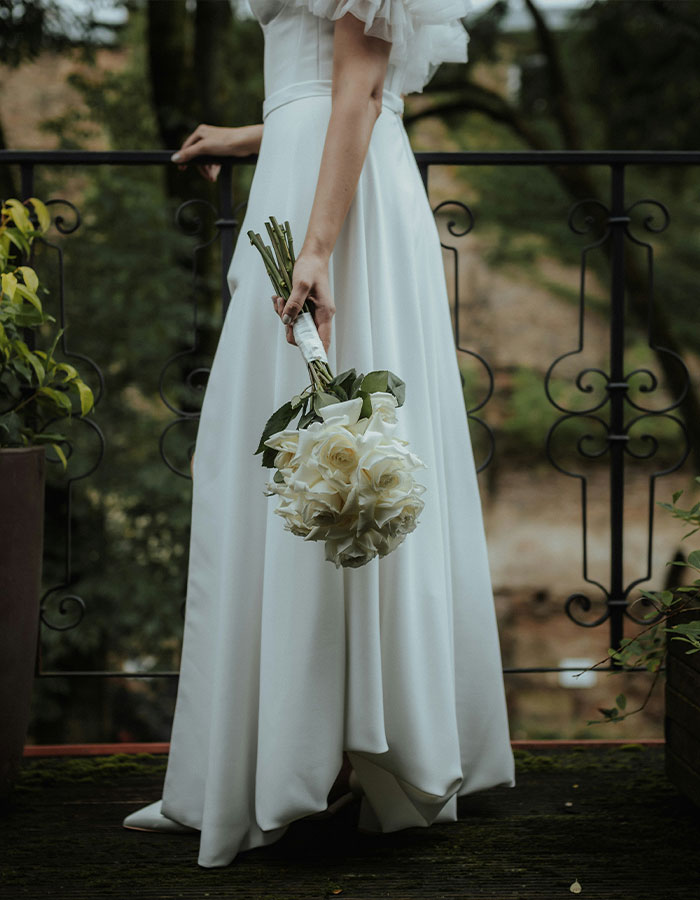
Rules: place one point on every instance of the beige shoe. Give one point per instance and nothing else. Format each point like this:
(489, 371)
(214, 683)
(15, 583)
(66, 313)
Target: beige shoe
(150, 818)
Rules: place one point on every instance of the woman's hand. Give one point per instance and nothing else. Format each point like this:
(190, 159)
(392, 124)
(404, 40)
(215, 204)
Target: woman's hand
(309, 280)
(242, 140)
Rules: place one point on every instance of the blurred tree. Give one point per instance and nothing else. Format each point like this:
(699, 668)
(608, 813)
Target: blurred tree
(624, 75)
(129, 287)
(30, 28)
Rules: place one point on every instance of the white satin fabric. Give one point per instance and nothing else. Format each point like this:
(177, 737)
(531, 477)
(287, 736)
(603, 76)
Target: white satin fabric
(286, 660)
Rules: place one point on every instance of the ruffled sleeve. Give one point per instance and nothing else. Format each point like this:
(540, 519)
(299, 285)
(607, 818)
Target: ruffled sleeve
(423, 33)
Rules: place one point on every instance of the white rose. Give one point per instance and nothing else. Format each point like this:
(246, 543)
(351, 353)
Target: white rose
(289, 510)
(405, 515)
(347, 412)
(320, 509)
(384, 541)
(353, 552)
(336, 449)
(385, 404)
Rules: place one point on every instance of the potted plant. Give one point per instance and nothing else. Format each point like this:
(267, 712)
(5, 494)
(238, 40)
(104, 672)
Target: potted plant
(678, 644)
(35, 391)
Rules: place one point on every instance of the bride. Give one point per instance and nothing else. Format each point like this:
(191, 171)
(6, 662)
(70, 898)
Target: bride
(289, 665)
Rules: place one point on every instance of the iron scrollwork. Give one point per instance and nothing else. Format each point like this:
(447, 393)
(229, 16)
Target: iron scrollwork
(452, 229)
(196, 379)
(70, 603)
(613, 225)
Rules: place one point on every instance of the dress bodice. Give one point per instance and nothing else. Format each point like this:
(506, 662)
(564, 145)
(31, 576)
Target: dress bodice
(299, 38)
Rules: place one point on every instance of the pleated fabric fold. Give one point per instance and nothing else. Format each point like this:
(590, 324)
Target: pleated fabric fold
(423, 33)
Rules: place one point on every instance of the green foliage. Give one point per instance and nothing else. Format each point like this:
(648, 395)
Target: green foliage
(648, 649)
(609, 86)
(346, 386)
(130, 292)
(641, 83)
(35, 388)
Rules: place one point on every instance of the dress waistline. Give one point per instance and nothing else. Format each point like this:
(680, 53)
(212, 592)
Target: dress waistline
(316, 88)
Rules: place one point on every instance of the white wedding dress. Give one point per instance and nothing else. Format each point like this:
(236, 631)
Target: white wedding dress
(286, 660)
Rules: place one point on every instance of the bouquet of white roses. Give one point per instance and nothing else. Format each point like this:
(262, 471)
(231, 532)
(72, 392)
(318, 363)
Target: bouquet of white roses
(342, 475)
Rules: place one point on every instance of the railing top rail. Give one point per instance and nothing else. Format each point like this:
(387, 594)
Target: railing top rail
(471, 157)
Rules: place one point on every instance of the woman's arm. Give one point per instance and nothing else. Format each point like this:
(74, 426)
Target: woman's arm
(359, 68)
(241, 140)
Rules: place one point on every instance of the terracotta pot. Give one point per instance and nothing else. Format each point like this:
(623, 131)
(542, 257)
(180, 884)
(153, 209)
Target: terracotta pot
(22, 474)
(682, 719)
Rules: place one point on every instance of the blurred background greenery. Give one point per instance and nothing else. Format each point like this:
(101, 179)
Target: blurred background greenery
(141, 75)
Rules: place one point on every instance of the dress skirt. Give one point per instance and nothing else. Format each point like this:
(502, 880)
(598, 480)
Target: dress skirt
(286, 660)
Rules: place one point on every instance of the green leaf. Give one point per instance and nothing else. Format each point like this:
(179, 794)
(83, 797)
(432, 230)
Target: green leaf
(694, 559)
(323, 398)
(676, 495)
(58, 398)
(278, 421)
(70, 371)
(346, 380)
(19, 240)
(375, 381)
(60, 454)
(10, 430)
(11, 384)
(29, 317)
(42, 213)
(29, 295)
(366, 410)
(30, 277)
(621, 701)
(268, 457)
(32, 359)
(357, 383)
(308, 418)
(9, 284)
(87, 399)
(47, 437)
(19, 215)
(397, 387)
(22, 367)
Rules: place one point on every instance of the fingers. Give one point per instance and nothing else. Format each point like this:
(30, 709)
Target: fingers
(296, 301)
(278, 303)
(196, 136)
(210, 171)
(191, 147)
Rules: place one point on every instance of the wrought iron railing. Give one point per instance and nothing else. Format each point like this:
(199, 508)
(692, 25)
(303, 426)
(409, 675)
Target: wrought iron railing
(613, 222)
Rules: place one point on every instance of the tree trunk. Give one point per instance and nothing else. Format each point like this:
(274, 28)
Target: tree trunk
(7, 182)
(213, 21)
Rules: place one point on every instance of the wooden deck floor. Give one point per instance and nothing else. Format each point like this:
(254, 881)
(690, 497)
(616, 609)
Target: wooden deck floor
(605, 816)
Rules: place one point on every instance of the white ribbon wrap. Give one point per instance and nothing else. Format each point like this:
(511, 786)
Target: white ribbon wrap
(306, 336)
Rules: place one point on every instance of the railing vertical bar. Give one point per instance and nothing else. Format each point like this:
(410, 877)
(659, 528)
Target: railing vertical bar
(423, 169)
(617, 430)
(27, 179)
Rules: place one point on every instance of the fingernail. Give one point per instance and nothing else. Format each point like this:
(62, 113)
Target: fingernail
(286, 319)
(175, 157)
